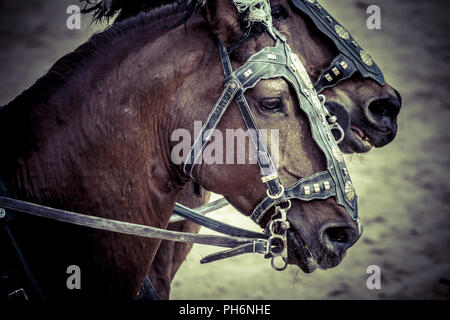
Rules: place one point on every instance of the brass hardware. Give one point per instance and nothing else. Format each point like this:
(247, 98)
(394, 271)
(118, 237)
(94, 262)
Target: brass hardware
(276, 196)
(349, 191)
(341, 32)
(326, 185)
(316, 188)
(307, 190)
(269, 177)
(366, 58)
(344, 65)
(336, 71)
(271, 56)
(328, 77)
(248, 73)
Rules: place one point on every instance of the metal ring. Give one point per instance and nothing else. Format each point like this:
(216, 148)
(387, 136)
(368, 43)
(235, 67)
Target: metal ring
(337, 127)
(272, 262)
(279, 238)
(277, 196)
(288, 207)
(322, 98)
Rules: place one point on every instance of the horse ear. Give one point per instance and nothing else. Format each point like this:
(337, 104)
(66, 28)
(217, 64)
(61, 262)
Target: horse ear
(222, 16)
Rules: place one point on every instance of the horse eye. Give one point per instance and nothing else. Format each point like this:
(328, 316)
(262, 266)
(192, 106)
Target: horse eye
(272, 104)
(279, 12)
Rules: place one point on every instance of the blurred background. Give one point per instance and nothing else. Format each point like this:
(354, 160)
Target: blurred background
(403, 188)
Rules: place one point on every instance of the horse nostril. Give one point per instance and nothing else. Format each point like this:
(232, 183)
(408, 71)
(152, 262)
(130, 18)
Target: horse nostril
(338, 238)
(381, 110)
(337, 235)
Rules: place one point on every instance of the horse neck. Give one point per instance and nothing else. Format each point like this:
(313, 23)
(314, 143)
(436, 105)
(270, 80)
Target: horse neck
(99, 150)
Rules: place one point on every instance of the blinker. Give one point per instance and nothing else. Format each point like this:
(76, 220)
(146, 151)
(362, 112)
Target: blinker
(351, 58)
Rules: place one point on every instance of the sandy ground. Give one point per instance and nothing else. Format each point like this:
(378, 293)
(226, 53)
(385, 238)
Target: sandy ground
(403, 188)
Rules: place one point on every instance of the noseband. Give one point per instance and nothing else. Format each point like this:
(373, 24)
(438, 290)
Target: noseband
(279, 62)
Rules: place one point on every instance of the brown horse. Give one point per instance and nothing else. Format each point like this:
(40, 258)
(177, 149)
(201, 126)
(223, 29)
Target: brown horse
(373, 112)
(108, 153)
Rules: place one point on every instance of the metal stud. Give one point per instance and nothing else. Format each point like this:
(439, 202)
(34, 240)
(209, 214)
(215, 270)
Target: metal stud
(269, 177)
(344, 65)
(307, 190)
(341, 32)
(366, 58)
(271, 56)
(336, 71)
(316, 188)
(345, 171)
(349, 191)
(328, 77)
(2, 213)
(329, 19)
(326, 185)
(248, 73)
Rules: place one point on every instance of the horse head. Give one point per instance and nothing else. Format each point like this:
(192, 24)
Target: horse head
(321, 228)
(368, 107)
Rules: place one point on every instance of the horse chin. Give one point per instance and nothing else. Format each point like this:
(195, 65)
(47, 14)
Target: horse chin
(308, 260)
(299, 254)
(356, 141)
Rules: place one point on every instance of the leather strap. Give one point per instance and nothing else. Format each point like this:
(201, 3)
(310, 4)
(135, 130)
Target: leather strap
(214, 224)
(255, 247)
(120, 226)
(339, 69)
(341, 38)
(211, 123)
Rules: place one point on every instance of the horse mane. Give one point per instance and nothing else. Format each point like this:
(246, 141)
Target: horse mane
(97, 47)
(104, 10)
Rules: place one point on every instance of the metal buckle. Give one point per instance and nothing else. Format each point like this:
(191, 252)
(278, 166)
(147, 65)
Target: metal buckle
(266, 247)
(277, 196)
